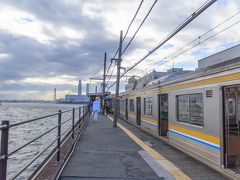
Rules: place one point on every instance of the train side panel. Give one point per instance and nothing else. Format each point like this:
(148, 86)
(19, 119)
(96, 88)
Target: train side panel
(199, 140)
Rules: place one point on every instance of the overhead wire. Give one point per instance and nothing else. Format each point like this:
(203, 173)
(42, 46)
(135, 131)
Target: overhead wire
(201, 42)
(134, 17)
(210, 37)
(125, 35)
(136, 30)
(207, 4)
(100, 67)
(199, 37)
(110, 76)
(174, 32)
(149, 11)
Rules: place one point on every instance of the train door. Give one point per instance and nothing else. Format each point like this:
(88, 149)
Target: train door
(163, 115)
(232, 128)
(138, 113)
(126, 109)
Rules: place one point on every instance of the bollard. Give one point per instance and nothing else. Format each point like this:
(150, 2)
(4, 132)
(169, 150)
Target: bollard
(59, 134)
(73, 114)
(4, 150)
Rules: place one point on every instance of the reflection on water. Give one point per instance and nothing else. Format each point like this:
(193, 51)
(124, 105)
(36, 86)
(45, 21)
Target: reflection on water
(18, 136)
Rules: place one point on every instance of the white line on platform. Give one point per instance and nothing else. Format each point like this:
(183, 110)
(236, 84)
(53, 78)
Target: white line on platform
(167, 165)
(155, 165)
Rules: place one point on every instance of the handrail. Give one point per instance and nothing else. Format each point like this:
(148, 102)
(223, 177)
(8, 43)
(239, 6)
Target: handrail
(5, 127)
(66, 130)
(20, 172)
(2, 126)
(32, 141)
(66, 121)
(38, 137)
(35, 119)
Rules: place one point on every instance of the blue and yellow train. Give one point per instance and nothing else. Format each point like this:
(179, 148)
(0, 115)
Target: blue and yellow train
(197, 112)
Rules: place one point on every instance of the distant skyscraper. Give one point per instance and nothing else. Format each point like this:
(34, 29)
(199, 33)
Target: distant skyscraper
(80, 87)
(87, 89)
(55, 94)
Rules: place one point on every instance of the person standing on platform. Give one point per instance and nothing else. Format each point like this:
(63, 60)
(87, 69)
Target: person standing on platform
(96, 109)
(107, 107)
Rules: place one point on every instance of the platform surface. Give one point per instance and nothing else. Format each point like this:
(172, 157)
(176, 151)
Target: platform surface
(104, 152)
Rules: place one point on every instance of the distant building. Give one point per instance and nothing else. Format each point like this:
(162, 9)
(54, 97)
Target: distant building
(55, 94)
(76, 99)
(80, 88)
(87, 89)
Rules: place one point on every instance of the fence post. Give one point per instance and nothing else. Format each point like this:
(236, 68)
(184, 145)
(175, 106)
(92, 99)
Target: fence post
(4, 150)
(83, 113)
(59, 134)
(79, 117)
(73, 114)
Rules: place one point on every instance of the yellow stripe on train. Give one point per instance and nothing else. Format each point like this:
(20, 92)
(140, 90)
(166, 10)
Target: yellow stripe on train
(196, 134)
(205, 137)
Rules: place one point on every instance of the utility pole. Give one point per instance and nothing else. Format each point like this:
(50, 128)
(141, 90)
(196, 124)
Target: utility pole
(117, 82)
(104, 79)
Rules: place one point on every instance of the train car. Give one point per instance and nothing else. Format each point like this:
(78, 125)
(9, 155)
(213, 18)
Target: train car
(197, 112)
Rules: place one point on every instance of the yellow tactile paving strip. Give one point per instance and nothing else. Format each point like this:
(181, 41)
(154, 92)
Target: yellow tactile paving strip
(167, 165)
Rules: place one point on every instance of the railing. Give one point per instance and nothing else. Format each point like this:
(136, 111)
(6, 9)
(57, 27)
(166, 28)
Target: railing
(5, 128)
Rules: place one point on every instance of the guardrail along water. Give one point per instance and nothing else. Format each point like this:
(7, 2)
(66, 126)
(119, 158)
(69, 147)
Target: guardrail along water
(50, 132)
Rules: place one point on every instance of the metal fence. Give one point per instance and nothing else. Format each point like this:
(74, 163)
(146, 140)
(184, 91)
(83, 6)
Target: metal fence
(76, 118)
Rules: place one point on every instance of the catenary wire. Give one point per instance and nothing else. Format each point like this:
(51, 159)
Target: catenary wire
(124, 50)
(198, 38)
(110, 76)
(210, 37)
(135, 15)
(100, 67)
(173, 33)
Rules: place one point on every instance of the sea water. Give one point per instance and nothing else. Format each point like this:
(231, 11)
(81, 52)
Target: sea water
(19, 135)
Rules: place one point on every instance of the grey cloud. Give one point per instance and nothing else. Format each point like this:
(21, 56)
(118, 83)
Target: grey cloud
(29, 58)
(39, 87)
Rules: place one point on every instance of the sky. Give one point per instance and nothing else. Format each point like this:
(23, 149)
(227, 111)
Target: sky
(51, 44)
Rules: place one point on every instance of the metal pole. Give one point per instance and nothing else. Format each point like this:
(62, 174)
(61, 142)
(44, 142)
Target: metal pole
(83, 112)
(73, 114)
(4, 150)
(79, 111)
(59, 134)
(104, 79)
(117, 82)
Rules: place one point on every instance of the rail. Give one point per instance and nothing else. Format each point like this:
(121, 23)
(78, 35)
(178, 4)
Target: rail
(5, 128)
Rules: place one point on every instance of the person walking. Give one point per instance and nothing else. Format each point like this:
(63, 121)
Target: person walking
(96, 109)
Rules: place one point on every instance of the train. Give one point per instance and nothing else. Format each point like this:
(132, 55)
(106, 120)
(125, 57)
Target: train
(197, 112)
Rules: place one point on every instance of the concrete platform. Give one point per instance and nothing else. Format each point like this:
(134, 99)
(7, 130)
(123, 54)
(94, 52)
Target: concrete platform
(126, 152)
(104, 152)
(193, 168)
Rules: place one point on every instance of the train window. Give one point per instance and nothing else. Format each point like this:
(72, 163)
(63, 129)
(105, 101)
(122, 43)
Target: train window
(190, 108)
(148, 103)
(131, 105)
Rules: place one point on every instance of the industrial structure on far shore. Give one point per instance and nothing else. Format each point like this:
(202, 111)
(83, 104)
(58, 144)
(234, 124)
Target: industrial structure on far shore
(77, 98)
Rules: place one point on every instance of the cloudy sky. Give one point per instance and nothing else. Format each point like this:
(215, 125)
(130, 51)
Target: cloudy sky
(54, 43)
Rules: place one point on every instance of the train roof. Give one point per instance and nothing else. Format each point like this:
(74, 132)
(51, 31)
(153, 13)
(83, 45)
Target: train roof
(226, 62)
